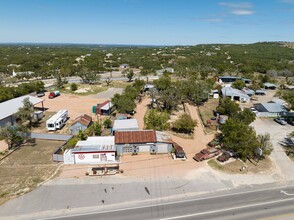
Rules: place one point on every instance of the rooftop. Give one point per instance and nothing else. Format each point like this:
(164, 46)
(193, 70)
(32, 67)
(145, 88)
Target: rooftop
(11, 106)
(101, 143)
(125, 124)
(133, 137)
(229, 91)
(83, 119)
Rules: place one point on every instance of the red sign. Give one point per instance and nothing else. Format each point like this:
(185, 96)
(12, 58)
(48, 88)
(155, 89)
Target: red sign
(81, 156)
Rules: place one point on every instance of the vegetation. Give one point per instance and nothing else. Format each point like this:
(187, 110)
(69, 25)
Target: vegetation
(156, 120)
(184, 124)
(288, 95)
(238, 84)
(265, 144)
(227, 107)
(95, 129)
(14, 135)
(240, 138)
(73, 87)
(125, 103)
(107, 123)
(26, 113)
(7, 93)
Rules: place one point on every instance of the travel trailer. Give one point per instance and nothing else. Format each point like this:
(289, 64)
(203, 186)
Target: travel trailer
(57, 121)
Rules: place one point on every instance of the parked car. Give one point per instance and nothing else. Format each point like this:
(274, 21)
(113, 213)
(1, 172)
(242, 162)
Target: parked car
(206, 154)
(40, 94)
(224, 157)
(281, 121)
(252, 109)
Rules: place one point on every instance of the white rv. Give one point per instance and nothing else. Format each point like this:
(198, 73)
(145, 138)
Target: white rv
(57, 121)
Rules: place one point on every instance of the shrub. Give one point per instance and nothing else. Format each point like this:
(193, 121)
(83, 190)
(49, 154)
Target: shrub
(107, 123)
(73, 87)
(184, 124)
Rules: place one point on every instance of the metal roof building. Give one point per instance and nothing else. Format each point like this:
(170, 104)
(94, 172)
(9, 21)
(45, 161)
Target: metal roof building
(10, 107)
(125, 125)
(235, 94)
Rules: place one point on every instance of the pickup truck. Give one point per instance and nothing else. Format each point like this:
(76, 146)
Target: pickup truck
(206, 154)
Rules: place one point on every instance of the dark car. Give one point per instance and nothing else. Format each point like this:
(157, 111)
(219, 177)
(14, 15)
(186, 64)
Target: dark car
(40, 94)
(281, 121)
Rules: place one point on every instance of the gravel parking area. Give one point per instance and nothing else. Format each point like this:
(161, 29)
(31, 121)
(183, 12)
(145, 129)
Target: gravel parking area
(75, 104)
(278, 133)
(108, 94)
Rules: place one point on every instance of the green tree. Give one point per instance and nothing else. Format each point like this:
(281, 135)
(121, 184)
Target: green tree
(156, 120)
(88, 76)
(73, 87)
(246, 116)
(228, 107)
(14, 135)
(108, 81)
(107, 123)
(240, 138)
(81, 135)
(130, 75)
(94, 129)
(123, 103)
(26, 113)
(163, 83)
(265, 143)
(184, 124)
(239, 84)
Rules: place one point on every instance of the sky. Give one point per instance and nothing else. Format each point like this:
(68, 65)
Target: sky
(146, 22)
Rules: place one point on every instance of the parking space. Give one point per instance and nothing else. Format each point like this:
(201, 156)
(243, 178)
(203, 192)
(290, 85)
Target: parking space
(278, 133)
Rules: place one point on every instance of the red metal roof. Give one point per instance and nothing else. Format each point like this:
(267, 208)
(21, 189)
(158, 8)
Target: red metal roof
(132, 137)
(83, 119)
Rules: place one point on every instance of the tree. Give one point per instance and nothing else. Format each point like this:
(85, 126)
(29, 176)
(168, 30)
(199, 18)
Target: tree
(239, 84)
(107, 123)
(184, 124)
(81, 135)
(26, 113)
(156, 120)
(130, 75)
(228, 107)
(73, 87)
(163, 83)
(240, 138)
(265, 143)
(88, 76)
(246, 116)
(95, 129)
(14, 135)
(123, 103)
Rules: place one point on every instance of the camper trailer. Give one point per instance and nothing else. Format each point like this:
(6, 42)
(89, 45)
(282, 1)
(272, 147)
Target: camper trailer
(57, 121)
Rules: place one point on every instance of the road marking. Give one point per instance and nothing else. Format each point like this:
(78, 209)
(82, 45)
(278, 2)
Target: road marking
(287, 194)
(166, 203)
(228, 209)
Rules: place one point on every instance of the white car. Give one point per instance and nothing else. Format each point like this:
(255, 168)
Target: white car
(252, 109)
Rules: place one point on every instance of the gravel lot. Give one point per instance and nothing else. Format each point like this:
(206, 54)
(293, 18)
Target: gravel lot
(108, 94)
(278, 133)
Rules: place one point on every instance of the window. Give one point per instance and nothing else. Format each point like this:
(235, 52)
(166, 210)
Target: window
(50, 125)
(96, 156)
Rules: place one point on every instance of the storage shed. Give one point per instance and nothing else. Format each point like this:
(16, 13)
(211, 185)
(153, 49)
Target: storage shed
(105, 108)
(125, 125)
(80, 123)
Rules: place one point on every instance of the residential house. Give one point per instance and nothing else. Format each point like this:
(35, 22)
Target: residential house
(80, 123)
(269, 86)
(274, 108)
(124, 66)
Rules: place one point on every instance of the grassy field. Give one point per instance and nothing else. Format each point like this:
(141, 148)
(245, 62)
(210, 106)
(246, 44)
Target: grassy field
(206, 113)
(264, 166)
(25, 168)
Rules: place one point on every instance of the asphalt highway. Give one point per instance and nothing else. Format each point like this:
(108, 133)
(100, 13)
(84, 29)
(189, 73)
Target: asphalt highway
(269, 203)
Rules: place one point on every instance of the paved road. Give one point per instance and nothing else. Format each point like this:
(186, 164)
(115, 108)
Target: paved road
(260, 203)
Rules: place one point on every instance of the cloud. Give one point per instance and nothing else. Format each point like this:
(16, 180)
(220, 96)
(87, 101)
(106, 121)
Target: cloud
(213, 20)
(242, 12)
(242, 8)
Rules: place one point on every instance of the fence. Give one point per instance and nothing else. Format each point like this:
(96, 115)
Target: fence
(56, 137)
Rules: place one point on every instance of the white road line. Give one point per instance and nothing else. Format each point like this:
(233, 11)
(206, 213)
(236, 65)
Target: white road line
(228, 209)
(167, 203)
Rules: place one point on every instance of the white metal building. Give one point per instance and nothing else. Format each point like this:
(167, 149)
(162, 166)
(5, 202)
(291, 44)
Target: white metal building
(125, 125)
(10, 107)
(94, 150)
